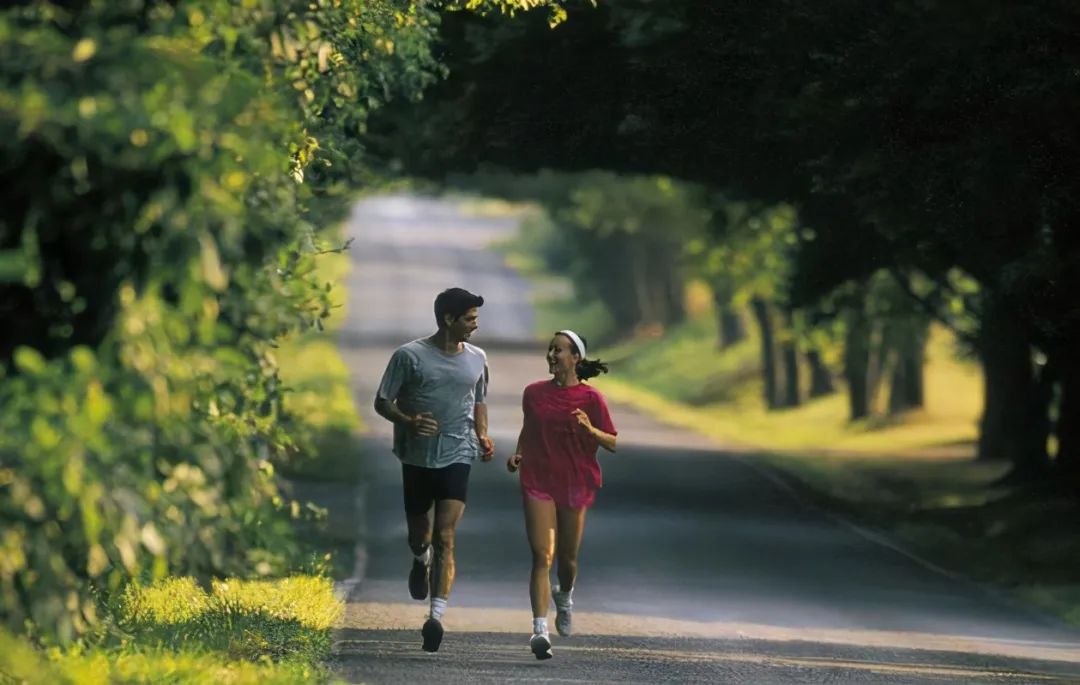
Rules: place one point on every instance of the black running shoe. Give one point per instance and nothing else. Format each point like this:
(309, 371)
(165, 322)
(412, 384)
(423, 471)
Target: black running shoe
(418, 580)
(540, 644)
(432, 633)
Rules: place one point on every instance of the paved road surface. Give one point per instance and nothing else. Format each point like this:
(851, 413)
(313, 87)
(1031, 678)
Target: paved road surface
(697, 567)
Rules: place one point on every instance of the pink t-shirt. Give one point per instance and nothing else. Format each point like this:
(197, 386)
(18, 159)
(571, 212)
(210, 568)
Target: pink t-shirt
(559, 455)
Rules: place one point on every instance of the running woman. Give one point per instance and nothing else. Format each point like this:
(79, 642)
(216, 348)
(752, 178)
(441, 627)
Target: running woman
(565, 421)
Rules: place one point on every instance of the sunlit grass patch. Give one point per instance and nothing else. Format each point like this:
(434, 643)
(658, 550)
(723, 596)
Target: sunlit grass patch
(157, 666)
(257, 632)
(684, 379)
(288, 618)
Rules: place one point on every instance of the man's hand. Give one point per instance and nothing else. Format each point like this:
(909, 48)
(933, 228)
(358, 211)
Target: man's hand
(488, 448)
(424, 424)
(513, 463)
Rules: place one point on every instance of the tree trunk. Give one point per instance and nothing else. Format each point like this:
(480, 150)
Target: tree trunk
(1067, 427)
(1013, 424)
(790, 359)
(821, 382)
(768, 356)
(674, 288)
(857, 362)
(731, 326)
(906, 383)
(642, 294)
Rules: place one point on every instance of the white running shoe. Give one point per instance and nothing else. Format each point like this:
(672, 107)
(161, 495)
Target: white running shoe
(540, 644)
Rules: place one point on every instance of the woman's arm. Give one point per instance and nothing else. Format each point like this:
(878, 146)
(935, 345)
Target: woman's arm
(606, 440)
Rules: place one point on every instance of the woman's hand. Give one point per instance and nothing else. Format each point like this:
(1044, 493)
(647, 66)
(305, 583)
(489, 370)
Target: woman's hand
(583, 420)
(514, 462)
(605, 440)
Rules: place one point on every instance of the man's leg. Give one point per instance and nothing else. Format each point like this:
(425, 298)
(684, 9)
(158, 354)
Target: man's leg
(419, 499)
(450, 488)
(419, 532)
(447, 514)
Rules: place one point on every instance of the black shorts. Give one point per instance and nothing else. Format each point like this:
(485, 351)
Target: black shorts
(423, 486)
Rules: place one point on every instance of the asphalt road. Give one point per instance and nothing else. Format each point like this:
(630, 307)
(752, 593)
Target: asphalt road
(697, 564)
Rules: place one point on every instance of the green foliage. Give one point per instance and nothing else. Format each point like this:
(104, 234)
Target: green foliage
(159, 243)
(164, 170)
(748, 252)
(556, 11)
(619, 239)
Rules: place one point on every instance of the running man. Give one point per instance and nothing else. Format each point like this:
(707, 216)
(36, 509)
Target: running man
(433, 391)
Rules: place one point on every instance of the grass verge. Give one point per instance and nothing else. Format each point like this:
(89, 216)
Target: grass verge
(265, 632)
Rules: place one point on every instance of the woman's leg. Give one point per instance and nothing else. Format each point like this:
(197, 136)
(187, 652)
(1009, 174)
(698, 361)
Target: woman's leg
(540, 528)
(571, 528)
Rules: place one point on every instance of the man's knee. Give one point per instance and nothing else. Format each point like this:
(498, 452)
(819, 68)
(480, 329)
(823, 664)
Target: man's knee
(443, 540)
(567, 558)
(419, 527)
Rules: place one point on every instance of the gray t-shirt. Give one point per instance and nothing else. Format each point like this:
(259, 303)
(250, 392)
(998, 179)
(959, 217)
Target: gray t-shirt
(421, 377)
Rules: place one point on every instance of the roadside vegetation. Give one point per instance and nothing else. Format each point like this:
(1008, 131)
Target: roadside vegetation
(248, 632)
(171, 176)
(911, 473)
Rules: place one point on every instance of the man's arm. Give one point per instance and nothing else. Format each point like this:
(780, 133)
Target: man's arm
(481, 423)
(421, 424)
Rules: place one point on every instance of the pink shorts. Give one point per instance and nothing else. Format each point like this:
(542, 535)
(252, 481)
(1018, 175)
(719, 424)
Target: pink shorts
(576, 496)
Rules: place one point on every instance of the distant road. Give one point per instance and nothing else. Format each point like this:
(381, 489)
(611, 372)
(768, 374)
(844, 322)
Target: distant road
(696, 566)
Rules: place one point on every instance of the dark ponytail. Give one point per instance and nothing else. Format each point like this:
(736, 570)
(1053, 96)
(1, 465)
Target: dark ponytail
(590, 368)
(586, 368)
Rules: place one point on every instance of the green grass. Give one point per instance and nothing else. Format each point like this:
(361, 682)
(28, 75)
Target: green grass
(244, 632)
(682, 378)
(554, 303)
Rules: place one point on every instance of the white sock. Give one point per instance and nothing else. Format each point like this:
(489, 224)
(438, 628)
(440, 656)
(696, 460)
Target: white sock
(564, 601)
(540, 625)
(438, 606)
(424, 557)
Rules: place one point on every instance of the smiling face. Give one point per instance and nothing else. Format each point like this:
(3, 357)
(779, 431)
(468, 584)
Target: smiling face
(462, 328)
(560, 356)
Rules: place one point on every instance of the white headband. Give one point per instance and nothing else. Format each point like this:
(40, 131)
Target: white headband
(577, 340)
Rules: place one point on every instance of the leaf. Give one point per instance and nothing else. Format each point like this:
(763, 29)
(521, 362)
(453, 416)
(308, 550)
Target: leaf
(97, 561)
(212, 270)
(84, 50)
(29, 361)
